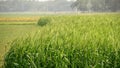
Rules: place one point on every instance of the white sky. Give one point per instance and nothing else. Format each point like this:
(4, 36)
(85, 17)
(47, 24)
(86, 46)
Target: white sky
(44, 0)
(71, 0)
(41, 0)
(54, 0)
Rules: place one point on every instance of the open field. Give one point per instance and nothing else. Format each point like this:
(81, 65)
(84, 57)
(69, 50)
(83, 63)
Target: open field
(13, 26)
(19, 19)
(67, 41)
(11, 32)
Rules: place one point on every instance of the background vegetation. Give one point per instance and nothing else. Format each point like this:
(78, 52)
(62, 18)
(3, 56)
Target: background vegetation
(59, 6)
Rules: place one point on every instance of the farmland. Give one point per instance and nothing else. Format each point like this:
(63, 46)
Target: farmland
(13, 26)
(67, 41)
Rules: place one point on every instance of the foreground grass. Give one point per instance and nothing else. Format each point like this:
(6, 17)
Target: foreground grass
(74, 41)
(10, 32)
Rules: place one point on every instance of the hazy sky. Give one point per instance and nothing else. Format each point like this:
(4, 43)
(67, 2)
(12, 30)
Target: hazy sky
(54, 0)
(41, 0)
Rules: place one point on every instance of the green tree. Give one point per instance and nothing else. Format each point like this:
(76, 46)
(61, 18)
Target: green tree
(80, 5)
(97, 5)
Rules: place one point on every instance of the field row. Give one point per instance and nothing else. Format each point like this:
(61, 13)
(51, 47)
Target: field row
(19, 19)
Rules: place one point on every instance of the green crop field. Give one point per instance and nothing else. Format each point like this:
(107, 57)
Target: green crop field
(14, 26)
(64, 41)
(10, 32)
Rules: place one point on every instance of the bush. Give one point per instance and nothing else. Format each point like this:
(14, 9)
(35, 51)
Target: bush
(43, 21)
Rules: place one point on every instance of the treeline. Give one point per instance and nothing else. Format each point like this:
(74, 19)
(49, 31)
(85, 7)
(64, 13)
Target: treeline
(34, 5)
(97, 5)
(60, 5)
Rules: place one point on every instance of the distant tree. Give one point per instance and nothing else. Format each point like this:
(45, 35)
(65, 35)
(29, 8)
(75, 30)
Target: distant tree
(97, 5)
(80, 5)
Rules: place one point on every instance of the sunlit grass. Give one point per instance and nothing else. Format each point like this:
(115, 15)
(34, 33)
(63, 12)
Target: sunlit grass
(70, 41)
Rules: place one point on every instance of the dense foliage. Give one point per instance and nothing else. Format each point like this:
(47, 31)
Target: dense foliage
(74, 41)
(97, 5)
(43, 21)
